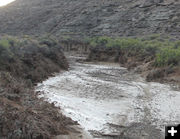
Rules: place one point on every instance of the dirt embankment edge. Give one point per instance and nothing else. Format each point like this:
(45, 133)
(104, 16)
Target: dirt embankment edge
(25, 62)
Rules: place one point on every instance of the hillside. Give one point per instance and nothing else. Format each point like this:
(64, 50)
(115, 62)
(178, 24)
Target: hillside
(91, 17)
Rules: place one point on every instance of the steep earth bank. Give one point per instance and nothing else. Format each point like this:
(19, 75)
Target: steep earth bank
(24, 62)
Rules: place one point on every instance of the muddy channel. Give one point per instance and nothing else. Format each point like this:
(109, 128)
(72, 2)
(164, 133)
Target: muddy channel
(109, 101)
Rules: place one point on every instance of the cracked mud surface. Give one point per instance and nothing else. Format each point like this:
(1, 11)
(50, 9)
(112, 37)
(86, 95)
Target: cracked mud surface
(112, 103)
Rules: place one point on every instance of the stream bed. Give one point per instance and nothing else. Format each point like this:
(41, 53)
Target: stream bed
(108, 101)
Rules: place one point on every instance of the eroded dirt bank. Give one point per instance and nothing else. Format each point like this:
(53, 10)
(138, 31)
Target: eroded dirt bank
(23, 63)
(111, 102)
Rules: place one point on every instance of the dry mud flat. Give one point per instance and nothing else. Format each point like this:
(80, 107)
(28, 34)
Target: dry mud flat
(110, 102)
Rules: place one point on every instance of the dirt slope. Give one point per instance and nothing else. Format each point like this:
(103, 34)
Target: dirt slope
(91, 17)
(24, 62)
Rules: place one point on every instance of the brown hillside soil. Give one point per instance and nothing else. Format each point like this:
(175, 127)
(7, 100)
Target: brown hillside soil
(22, 114)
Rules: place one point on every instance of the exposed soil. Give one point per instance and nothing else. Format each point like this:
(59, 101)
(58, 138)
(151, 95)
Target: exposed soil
(111, 102)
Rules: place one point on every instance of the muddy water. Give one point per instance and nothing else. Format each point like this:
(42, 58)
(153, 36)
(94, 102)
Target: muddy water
(111, 102)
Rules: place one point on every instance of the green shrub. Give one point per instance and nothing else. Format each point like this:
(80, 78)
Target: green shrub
(5, 52)
(168, 56)
(4, 43)
(164, 51)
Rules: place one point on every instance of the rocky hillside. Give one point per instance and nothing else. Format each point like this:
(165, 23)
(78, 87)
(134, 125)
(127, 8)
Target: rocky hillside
(91, 17)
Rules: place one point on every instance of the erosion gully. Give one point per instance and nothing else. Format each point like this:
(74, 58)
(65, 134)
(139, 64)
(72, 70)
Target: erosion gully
(109, 101)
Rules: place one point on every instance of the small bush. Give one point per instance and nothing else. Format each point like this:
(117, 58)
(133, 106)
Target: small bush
(5, 51)
(4, 43)
(168, 56)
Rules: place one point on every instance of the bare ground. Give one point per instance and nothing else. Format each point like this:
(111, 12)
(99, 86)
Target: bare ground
(112, 103)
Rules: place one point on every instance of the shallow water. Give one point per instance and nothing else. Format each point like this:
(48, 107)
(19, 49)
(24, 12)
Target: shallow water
(103, 96)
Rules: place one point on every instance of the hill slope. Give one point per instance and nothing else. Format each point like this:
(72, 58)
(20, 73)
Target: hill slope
(91, 17)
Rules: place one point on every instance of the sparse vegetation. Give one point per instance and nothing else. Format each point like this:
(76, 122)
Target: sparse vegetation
(164, 51)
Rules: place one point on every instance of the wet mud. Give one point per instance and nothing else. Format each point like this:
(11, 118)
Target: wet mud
(111, 102)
